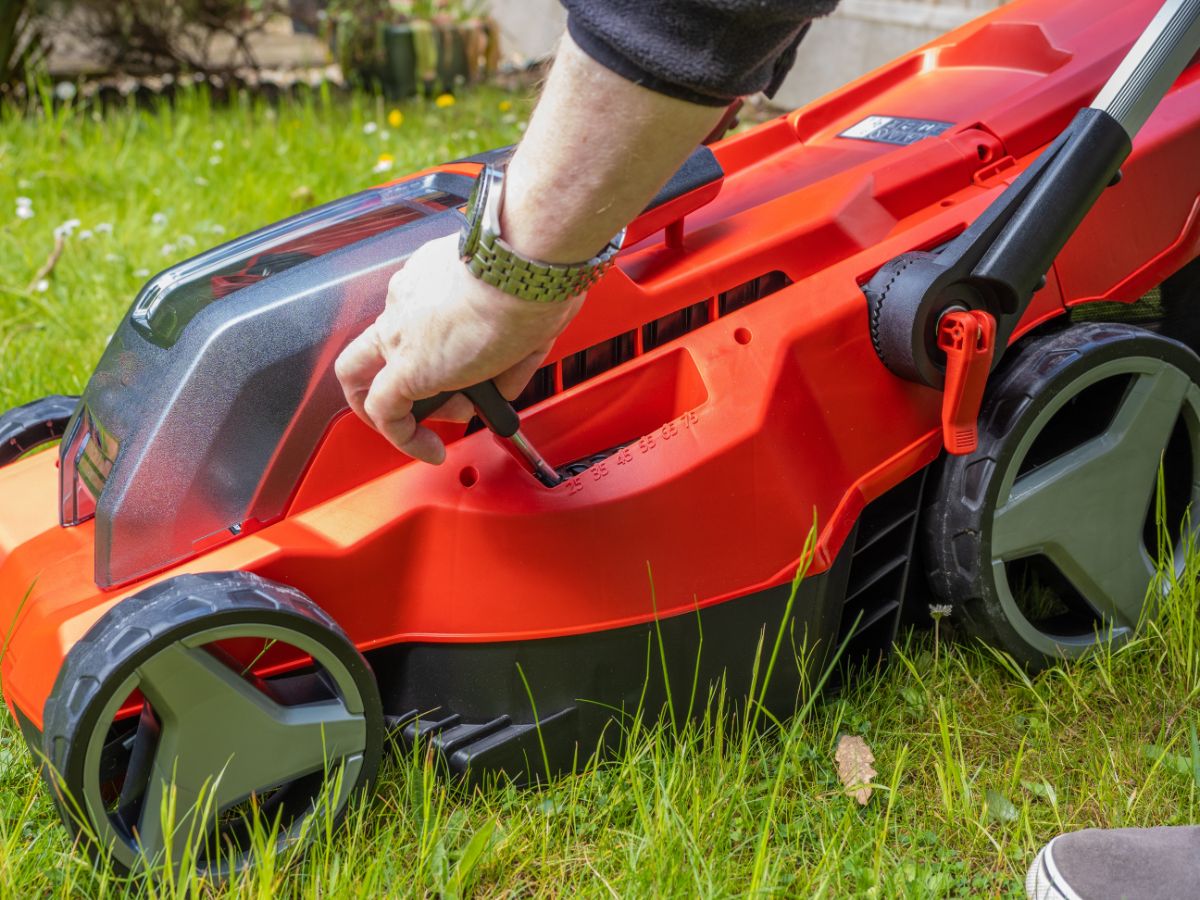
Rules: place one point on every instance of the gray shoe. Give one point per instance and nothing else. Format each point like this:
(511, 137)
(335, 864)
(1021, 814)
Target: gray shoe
(1120, 863)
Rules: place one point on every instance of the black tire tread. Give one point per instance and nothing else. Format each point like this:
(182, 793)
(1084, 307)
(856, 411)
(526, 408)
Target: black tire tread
(33, 424)
(145, 619)
(955, 521)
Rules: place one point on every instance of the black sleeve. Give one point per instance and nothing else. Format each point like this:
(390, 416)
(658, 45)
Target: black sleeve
(702, 51)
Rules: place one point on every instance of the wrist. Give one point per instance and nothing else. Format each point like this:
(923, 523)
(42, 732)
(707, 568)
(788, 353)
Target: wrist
(492, 258)
(534, 224)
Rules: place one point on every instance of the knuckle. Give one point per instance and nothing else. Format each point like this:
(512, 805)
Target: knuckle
(376, 408)
(386, 336)
(401, 431)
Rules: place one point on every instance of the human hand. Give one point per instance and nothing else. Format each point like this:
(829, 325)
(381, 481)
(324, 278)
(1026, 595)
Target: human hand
(443, 329)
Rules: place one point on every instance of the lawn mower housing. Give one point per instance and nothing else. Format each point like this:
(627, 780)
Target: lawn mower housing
(721, 391)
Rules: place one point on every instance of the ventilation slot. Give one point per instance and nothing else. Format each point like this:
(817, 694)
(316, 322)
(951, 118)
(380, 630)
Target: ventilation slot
(675, 325)
(880, 570)
(595, 360)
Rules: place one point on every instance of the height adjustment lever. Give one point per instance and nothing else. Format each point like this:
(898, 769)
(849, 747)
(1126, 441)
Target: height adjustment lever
(500, 417)
(968, 338)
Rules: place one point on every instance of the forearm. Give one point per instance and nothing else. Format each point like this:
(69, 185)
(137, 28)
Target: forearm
(599, 146)
(597, 150)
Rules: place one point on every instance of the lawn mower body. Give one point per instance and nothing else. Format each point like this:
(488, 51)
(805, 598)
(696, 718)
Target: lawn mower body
(727, 358)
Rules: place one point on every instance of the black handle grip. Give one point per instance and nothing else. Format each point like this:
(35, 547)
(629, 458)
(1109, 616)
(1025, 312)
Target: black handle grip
(496, 412)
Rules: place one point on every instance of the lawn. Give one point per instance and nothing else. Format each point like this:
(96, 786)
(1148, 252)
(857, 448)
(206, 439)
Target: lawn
(978, 763)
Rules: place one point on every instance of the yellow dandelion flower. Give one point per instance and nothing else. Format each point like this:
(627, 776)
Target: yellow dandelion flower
(444, 100)
(395, 118)
(505, 105)
(386, 158)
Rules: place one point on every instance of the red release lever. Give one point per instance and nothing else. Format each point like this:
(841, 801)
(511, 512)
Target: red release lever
(968, 338)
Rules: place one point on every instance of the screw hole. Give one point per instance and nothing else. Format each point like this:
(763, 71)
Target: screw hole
(468, 476)
(742, 335)
(946, 203)
(985, 152)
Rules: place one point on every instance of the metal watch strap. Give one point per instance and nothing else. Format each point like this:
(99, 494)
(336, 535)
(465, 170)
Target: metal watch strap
(490, 259)
(497, 264)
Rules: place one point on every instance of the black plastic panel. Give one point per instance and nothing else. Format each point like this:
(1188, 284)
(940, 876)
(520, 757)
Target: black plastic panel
(580, 683)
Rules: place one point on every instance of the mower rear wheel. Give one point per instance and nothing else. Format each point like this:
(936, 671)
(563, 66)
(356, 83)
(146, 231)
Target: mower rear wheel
(33, 425)
(1046, 539)
(204, 713)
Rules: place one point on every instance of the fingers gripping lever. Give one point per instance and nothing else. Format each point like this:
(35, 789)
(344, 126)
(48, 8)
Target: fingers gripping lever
(1002, 259)
(500, 417)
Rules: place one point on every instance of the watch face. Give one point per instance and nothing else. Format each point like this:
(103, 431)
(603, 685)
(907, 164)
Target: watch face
(468, 238)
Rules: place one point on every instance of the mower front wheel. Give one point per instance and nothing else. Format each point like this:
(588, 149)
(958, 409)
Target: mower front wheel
(201, 717)
(33, 425)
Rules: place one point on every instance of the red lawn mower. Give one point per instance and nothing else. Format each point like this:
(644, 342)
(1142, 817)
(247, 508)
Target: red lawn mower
(926, 307)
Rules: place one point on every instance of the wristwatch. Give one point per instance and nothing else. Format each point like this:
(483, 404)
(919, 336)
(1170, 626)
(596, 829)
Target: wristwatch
(493, 261)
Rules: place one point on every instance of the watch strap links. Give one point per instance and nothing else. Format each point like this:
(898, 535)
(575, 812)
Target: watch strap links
(497, 264)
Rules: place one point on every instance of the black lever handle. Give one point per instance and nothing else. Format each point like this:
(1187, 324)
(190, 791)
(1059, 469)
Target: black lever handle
(500, 417)
(496, 412)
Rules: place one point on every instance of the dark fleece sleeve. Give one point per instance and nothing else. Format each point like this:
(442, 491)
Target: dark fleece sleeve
(702, 51)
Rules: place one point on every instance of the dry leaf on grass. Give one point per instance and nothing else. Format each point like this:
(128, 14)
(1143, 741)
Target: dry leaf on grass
(855, 771)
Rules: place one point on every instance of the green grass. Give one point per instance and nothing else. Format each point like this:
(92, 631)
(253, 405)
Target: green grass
(978, 764)
(174, 180)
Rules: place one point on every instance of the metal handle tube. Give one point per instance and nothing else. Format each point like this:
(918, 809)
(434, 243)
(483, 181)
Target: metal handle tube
(1153, 63)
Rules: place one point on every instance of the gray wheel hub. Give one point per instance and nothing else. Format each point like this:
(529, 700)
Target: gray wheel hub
(221, 741)
(1086, 509)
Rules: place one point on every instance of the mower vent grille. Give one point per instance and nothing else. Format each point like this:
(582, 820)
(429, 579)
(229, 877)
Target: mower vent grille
(579, 367)
(880, 571)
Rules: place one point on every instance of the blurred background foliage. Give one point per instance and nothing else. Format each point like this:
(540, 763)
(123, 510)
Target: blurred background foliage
(401, 46)
(22, 43)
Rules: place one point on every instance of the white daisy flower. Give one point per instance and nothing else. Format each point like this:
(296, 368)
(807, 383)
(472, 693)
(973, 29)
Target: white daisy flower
(370, 127)
(159, 219)
(42, 286)
(66, 229)
(104, 228)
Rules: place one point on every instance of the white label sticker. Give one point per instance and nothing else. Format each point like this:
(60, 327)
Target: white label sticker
(894, 129)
